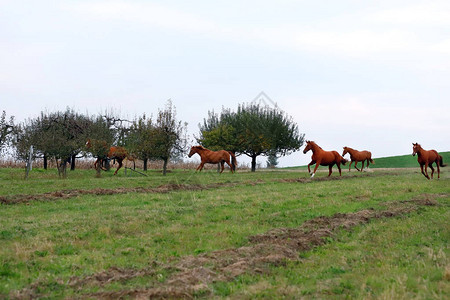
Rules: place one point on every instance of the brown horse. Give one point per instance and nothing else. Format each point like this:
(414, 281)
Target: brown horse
(323, 158)
(427, 158)
(213, 157)
(357, 156)
(104, 152)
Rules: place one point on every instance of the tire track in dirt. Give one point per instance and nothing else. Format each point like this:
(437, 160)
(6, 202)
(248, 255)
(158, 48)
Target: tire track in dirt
(192, 274)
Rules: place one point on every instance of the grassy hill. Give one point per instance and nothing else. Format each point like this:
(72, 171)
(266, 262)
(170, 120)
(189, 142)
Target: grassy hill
(403, 161)
(263, 235)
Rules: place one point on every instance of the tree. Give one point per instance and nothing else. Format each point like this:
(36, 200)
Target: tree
(252, 130)
(58, 135)
(272, 161)
(6, 129)
(101, 135)
(168, 137)
(139, 139)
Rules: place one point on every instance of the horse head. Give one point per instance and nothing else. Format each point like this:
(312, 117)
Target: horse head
(88, 143)
(194, 149)
(309, 146)
(416, 148)
(345, 151)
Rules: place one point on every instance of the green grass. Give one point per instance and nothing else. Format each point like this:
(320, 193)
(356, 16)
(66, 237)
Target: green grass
(47, 243)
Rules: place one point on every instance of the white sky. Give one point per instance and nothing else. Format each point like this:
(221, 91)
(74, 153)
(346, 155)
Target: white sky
(371, 75)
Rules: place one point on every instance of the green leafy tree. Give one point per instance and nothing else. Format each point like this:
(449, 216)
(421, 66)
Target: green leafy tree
(101, 134)
(252, 130)
(140, 139)
(169, 136)
(57, 135)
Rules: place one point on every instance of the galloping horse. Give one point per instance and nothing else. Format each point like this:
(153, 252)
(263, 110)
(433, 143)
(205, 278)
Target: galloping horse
(103, 153)
(427, 158)
(214, 157)
(357, 156)
(323, 158)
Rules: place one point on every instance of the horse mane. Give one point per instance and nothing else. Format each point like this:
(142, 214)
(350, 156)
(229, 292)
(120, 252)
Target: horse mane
(417, 145)
(314, 143)
(200, 147)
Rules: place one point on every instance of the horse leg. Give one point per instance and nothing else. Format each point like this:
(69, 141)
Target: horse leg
(421, 170)
(222, 164)
(356, 162)
(311, 163)
(339, 168)
(120, 165)
(350, 165)
(437, 164)
(362, 167)
(426, 171)
(432, 170)
(200, 167)
(231, 167)
(367, 164)
(330, 167)
(315, 168)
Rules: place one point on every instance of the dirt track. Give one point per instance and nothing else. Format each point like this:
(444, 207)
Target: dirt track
(193, 274)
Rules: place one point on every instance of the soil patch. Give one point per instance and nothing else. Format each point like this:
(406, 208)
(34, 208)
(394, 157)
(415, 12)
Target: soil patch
(192, 274)
(65, 194)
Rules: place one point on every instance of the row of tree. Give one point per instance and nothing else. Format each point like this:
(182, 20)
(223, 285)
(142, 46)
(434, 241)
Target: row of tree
(251, 130)
(62, 136)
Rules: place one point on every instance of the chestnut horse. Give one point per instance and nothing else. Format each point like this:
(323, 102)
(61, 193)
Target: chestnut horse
(357, 156)
(323, 158)
(114, 152)
(213, 157)
(427, 158)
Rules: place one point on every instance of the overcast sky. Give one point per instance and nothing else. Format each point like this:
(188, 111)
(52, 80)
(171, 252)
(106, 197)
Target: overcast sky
(370, 75)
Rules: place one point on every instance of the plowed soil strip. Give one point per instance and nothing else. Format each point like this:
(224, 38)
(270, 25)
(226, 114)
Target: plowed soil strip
(193, 274)
(65, 194)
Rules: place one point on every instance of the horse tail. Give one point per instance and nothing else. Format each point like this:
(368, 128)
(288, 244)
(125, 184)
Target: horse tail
(371, 161)
(441, 162)
(233, 160)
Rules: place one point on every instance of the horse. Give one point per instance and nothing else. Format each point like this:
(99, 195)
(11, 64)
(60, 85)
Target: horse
(214, 157)
(104, 152)
(323, 158)
(357, 156)
(427, 158)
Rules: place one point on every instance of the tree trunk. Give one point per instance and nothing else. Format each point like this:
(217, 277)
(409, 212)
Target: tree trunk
(98, 170)
(254, 162)
(72, 163)
(166, 160)
(145, 164)
(45, 162)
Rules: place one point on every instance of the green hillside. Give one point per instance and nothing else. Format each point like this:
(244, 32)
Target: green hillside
(403, 161)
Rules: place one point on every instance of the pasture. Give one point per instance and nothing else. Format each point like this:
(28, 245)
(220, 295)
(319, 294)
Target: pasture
(269, 234)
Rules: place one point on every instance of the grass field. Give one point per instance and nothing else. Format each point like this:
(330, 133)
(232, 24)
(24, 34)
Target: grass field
(270, 234)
